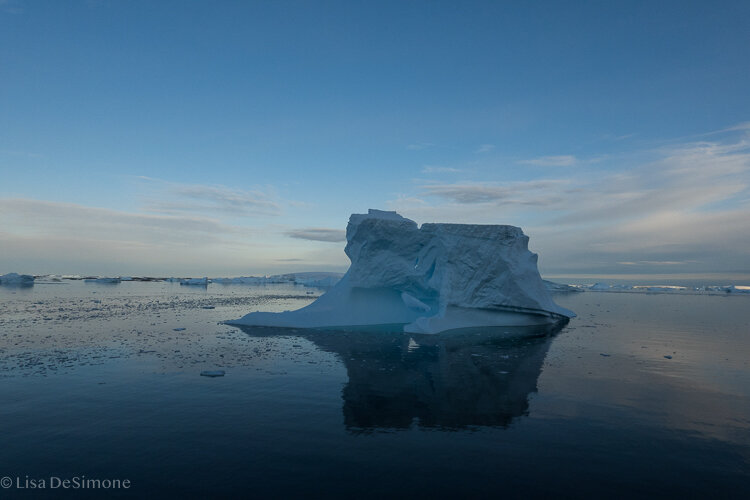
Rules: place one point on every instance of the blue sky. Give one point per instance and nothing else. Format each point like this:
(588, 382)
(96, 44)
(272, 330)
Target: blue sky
(235, 138)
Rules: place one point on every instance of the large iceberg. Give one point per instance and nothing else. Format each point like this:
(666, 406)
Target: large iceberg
(428, 279)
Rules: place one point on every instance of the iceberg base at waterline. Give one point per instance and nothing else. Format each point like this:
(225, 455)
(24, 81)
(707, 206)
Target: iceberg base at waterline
(428, 279)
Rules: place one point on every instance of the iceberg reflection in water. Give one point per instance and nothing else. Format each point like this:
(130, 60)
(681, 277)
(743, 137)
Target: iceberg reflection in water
(453, 380)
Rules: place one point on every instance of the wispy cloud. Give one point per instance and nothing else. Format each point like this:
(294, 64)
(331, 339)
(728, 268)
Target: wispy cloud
(22, 154)
(738, 127)
(684, 178)
(623, 137)
(43, 236)
(551, 161)
(45, 217)
(526, 193)
(617, 138)
(430, 169)
(318, 234)
(10, 7)
(175, 198)
(485, 148)
(683, 207)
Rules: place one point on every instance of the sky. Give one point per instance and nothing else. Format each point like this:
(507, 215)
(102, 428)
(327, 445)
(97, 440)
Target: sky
(233, 138)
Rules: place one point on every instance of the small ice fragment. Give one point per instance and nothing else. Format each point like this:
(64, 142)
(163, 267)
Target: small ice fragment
(605, 355)
(178, 329)
(668, 356)
(212, 373)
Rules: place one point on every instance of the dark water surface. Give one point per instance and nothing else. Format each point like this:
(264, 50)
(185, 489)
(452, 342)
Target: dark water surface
(643, 395)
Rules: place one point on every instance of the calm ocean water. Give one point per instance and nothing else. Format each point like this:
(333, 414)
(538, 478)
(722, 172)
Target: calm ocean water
(641, 395)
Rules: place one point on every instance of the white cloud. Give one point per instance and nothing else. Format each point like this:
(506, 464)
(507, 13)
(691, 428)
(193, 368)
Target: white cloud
(540, 192)
(419, 146)
(45, 217)
(687, 209)
(485, 148)
(51, 237)
(176, 198)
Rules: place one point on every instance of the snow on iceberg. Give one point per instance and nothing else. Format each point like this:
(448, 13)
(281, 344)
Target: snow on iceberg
(427, 280)
(16, 279)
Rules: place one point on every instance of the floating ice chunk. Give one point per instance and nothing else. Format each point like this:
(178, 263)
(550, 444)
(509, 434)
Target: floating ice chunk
(599, 287)
(16, 279)
(667, 288)
(559, 287)
(429, 279)
(621, 287)
(48, 278)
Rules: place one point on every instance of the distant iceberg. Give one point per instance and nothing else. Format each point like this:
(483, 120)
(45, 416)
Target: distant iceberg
(108, 280)
(312, 279)
(16, 279)
(427, 280)
(195, 281)
(560, 287)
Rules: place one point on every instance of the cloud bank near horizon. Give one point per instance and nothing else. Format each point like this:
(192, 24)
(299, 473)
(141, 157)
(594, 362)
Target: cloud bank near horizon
(683, 207)
(686, 209)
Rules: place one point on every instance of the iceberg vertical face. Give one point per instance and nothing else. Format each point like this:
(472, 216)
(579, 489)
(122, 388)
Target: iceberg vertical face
(429, 279)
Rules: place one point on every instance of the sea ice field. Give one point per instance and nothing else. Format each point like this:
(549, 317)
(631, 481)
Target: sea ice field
(642, 394)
